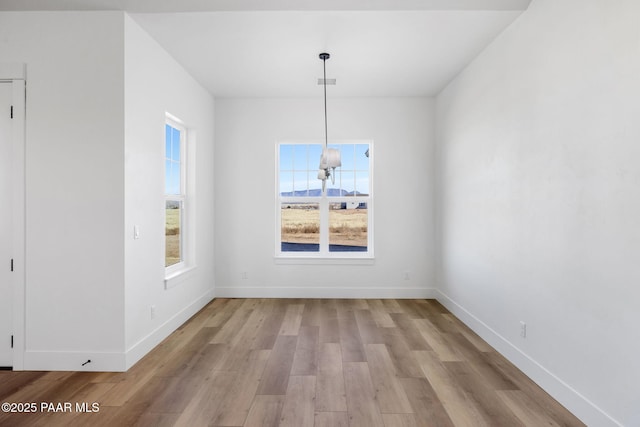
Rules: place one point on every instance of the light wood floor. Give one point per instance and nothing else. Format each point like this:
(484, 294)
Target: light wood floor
(269, 362)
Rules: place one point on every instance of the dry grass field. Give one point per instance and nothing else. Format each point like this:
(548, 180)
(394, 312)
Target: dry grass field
(299, 225)
(346, 226)
(172, 233)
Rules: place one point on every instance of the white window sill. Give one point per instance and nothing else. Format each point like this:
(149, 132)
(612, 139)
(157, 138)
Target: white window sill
(177, 277)
(314, 260)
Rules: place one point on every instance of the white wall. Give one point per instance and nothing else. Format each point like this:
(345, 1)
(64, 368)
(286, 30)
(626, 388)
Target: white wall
(74, 181)
(155, 85)
(539, 202)
(246, 134)
(98, 88)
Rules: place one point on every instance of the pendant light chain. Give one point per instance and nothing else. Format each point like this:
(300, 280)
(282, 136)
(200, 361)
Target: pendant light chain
(330, 158)
(324, 66)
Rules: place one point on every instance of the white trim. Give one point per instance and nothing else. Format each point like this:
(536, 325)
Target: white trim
(112, 361)
(317, 292)
(73, 360)
(175, 274)
(575, 402)
(19, 212)
(303, 259)
(323, 255)
(148, 343)
(178, 276)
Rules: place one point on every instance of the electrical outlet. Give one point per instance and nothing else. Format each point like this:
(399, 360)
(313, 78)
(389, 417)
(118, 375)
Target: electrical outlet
(523, 329)
(153, 312)
(407, 276)
(244, 275)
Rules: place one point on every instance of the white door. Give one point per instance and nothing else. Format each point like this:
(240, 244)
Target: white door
(6, 235)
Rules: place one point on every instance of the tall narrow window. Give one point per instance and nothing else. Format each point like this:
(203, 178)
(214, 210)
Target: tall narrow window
(336, 223)
(175, 194)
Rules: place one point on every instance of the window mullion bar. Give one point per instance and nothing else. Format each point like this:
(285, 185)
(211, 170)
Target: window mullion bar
(324, 226)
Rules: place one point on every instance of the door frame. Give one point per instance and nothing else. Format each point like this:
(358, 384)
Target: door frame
(16, 75)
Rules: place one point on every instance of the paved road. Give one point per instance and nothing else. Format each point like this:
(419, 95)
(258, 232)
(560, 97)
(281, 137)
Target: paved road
(311, 247)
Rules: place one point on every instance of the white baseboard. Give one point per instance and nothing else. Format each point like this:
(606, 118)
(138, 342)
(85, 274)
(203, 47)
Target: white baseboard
(570, 398)
(333, 292)
(111, 361)
(148, 343)
(74, 361)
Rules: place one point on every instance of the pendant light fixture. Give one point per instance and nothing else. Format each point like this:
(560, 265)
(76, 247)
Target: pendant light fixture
(330, 158)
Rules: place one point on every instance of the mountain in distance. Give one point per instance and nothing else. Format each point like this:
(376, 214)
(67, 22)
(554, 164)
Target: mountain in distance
(331, 192)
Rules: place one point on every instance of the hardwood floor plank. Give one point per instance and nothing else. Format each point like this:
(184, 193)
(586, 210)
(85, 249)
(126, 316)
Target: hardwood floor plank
(401, 356)
(156, 420)
(352, 304)
(210, 358)
(461, 410)
(533, 391)
(399, 420)
(204, 403)
(231, 327)
(442, 323)
(31, 393)
(265, 411)
(329, 327)
(361, 400)
(389, 393)
(188, 381)
(305, 359)
(417, 358)
(330, 389)
(11, 382)
(480, 344)
(292, 319)
(425, 403)
(437, 341)
(225, 308)
(298, 410)
(331, 419)
(367, 327)
(246, 336)
(185, 352)
(430, 309)
(484, 398)
(128, 415)
(352, 349)
(410, 308)
(526, 409)
(270, 328)
(415, 340)
(276, 373)
(176, 395)
(381, 314)
(312, 314)
(392, 306)
(478, 361)
(91, 392)
(61, 390)
(236, 403)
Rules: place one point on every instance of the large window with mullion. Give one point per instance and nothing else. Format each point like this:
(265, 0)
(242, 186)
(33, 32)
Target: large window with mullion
(175, 195)
(334, 223)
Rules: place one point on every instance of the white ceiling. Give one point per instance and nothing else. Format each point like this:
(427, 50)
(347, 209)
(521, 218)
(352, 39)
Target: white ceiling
(255, 48)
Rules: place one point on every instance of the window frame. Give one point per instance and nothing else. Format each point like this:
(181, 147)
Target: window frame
(324, 201)
(181, 198)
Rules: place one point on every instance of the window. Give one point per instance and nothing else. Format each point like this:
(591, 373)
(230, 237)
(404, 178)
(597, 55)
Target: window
(175, 195)
(333, 224)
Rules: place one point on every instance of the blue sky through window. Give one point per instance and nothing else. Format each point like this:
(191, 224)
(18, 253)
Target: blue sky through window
(172, 160)
(299, 169)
